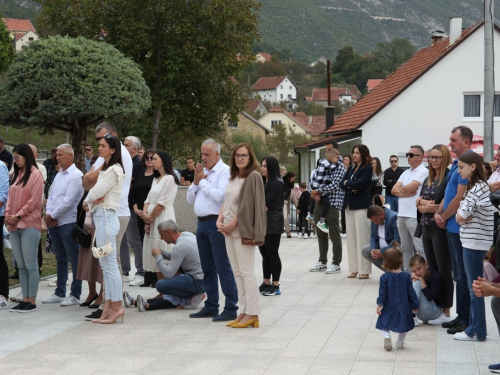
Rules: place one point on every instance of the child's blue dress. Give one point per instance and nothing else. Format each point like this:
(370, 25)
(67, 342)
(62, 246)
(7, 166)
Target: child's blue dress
(398, 298)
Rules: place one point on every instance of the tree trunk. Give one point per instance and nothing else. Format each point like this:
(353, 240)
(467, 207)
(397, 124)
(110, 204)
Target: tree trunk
(156, 127)
(78, 140)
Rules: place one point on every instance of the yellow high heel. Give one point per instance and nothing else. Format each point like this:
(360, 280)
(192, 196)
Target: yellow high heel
(254, 322)
(231, 323)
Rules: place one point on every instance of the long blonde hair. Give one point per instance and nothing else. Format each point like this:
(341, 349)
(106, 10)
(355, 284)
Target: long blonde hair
(444, 164)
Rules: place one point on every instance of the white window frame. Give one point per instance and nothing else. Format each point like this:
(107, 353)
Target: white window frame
(481, 117)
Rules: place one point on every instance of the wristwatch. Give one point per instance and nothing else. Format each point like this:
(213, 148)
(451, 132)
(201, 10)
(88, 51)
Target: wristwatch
(18, 217)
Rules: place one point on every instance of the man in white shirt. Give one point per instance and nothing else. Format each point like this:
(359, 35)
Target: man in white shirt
(207, 194)
(123, 212)
(407, 189)
(60, 215)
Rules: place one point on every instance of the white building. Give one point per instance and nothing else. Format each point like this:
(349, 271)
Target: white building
(275, 89)
(22, 39)
(440, 87)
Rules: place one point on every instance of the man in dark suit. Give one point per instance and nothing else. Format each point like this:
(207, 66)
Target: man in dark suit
(384, 230)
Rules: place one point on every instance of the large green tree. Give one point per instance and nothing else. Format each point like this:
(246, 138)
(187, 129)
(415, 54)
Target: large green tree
(189, 51)
(6, 49)
(71, 85)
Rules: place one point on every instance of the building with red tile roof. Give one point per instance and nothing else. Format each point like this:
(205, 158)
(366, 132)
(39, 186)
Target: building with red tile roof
(275, 89)
(263, 57)
(22, 32)
(372, 83)
(17, 25)
(337, 94)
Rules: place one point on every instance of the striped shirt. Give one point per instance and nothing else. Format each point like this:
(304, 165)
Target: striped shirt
(477, 234)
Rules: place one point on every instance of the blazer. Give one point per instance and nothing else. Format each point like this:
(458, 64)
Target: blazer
(252, 220)
(391, 231)
(357, 187)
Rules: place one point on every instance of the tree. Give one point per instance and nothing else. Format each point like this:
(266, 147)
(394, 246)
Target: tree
(281, 143)
(6, 49)
(71, 85)
(189, 51)
(345, 56)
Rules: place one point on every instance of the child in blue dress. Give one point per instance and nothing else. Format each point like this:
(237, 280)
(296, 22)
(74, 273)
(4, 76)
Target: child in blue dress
(396, 300)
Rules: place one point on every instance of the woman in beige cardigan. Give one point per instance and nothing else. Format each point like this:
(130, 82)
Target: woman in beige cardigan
(242, 220)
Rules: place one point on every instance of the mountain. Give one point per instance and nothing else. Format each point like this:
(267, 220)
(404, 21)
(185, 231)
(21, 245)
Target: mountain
(23, 9)
(314, 28)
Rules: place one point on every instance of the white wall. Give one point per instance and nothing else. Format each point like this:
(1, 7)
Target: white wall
(25, 40)
(269, 95)
(288, 89)
(285, 120)
(426, 112)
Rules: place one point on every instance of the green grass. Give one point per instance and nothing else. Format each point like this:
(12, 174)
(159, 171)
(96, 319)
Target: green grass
(42, 142)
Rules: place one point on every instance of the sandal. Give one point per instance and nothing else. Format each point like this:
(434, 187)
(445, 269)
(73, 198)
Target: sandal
(352, 275)
(364, 276)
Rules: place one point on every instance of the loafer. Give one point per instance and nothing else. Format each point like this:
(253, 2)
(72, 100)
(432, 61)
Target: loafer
(224, 317)
(455, 322)
(204, 313)
(457, 329)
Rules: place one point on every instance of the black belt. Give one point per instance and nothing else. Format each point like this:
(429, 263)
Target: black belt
(209, 217)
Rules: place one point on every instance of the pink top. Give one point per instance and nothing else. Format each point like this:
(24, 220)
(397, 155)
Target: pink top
(25, 201)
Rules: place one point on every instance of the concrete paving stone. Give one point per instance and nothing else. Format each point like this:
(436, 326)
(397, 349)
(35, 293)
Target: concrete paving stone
(447, 368)
(362, 367)
(415, 367)
(289, 366)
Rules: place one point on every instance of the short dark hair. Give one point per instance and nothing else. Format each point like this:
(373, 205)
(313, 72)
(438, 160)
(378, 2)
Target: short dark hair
(393, 257)
(334, 144)
(303, 185)
(465, 132)
(146, 153)
(189, 158)
(419, 148)
(416, 258)
(393, 156)
(373, 210)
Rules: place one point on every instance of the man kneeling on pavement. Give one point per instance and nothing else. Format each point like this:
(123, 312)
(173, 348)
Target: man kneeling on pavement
(183, 282)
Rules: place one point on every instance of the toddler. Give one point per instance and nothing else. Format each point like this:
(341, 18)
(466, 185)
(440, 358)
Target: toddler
(302, 210)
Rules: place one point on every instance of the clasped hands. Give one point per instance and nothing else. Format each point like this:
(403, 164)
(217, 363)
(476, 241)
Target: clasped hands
(225, 229)
(199, 174)
(51, 223)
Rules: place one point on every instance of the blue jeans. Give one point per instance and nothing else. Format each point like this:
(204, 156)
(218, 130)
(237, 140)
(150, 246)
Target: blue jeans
(66, 250)
(460, 277)
(109, 264)
(427, 310)
(25, 249)
(473, 262)
(215, 264)
(393, 202)
(182, 286)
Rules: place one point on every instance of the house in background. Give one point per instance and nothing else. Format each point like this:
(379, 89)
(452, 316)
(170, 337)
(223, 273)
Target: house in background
(349, 93)
(22, 32)
(400, 112)
(275, 89)
(372, 83)
(263, 57)
(255, 106)
(248, 125)
(298, 122)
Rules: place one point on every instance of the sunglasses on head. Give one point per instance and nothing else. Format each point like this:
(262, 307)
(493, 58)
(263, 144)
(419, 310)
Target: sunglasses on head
(107, 136)
(411, 154)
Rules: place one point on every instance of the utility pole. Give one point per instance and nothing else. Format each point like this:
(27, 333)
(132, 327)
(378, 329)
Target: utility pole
(489, 83)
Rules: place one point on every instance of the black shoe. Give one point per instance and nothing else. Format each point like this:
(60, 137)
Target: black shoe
(455, 322)
(273, 290)
(17, 307)
(27, 307)
(84, 304)
(204, 313)
(15, 275)
(457, 329)
(95, 315)
(224, 317)
(263, 287)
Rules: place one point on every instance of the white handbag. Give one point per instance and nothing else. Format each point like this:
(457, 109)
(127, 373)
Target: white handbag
(101, 252)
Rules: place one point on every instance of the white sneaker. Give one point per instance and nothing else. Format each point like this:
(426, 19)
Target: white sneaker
(306, 236)
(417, 322)
(440, 319)
(127, 299)
(54, 283)
(462, 336)
(70, 301)
(4, 303)
(138, 280)
(314, 236)
(318, 267)
(126, 278)
(53, 299)
(299, 235)
(196, 300)
(343, 235)
(400, 344)
(17, 298)
(6, 244)
(333, 268)
(141, 303)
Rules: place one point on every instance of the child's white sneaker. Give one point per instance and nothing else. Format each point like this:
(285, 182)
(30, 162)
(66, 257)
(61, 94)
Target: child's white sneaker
(417, 322)
(388, 344)
(440, 319)
(400, 344)
(299, 235)
(306, 236)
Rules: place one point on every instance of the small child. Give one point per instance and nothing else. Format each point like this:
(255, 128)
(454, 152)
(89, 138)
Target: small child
(303, 205)
(396, 300)
(427, 285)
(321, 179)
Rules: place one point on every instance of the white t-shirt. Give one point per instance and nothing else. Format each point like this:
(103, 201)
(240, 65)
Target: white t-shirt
(407, 206)
(127, 165)
(381, 236)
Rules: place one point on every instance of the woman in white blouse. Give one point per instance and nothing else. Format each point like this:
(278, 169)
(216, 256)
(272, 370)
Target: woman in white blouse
(103, 200)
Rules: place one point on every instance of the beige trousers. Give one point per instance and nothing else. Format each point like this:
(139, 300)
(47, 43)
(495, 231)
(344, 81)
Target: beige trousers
(358, 229)
(242, 258)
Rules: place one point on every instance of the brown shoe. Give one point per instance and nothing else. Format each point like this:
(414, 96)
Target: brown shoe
(364, 276)
(352, 275)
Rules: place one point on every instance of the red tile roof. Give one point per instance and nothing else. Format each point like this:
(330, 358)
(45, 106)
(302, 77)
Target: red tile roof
(266, 55)
(312, 124)
(354, 90)
(268, 83)
(398, 81)
(320, 142)
(308, 98)
(18, 36)
(252, 105)
(335, 92)
(277, 109)
(372, 83)
(13, 24)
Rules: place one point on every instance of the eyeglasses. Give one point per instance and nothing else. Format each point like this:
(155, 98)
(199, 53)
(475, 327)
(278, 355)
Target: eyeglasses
(394, 161)
(435, 158)
(411, 154)
(241, 156)
(150, 158)
(107, 136)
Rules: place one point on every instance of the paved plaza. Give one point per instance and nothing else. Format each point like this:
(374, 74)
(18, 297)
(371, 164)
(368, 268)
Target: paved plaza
(321, 324)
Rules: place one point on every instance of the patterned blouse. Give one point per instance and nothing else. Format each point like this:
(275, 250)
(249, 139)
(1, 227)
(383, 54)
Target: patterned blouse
(428, 194)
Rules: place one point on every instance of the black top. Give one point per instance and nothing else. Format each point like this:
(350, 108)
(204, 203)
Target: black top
(390, 179)
(433, 291)
(274, 194)
(357, 187)
(7, 157)
(140, 191)
(188, 175)
(303, 204)
(137, 168)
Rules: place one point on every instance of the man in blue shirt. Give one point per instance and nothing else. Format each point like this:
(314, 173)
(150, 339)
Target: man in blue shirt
(460, 143)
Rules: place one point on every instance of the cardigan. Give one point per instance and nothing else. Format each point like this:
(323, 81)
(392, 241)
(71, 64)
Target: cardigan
(108, 185)
(357, 187)
(252, 221)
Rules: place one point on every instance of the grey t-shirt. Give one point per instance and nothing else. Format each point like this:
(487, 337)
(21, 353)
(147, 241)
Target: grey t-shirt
(184, 254)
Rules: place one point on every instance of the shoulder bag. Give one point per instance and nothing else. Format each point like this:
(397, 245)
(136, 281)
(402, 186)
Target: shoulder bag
(103, 251)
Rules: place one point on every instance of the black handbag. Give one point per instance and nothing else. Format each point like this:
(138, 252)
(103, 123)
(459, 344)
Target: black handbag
(82, 237)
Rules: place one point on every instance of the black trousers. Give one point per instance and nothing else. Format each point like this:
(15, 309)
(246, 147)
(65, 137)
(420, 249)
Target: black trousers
(4, 269)
(342, 221)
(271, 262)
(303, 223)
(160, 303)
(438, 256)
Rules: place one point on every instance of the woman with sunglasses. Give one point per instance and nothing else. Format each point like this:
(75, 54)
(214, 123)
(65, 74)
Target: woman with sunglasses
(22, 216)
(137, 197)
(158, 207)
(103, 200)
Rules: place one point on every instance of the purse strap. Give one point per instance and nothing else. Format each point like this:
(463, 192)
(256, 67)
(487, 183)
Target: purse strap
(95, 229)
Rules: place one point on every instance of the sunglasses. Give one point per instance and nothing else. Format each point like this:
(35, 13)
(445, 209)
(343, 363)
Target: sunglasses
(411, 154)
(394, 161)
(107, 136)
(150, 158)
